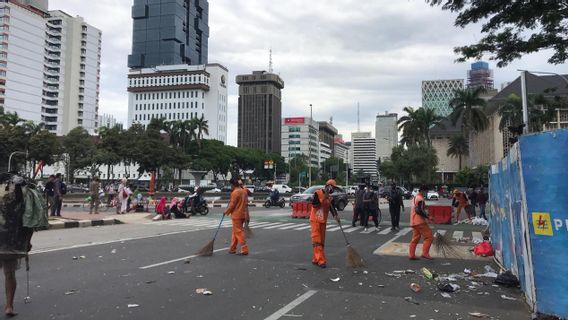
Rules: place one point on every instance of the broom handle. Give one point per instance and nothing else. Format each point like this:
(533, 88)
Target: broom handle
(334, 212)
(219, 227)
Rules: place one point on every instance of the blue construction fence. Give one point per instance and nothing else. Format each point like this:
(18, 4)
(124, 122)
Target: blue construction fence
(529, 218)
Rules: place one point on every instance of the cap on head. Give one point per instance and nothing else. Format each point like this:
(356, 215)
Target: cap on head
(331, 182)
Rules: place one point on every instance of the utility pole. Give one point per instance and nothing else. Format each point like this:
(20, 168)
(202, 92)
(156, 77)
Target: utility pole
(525, 101)
(310, 147)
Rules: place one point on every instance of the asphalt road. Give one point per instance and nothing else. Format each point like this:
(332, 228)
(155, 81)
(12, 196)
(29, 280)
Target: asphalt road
(146, 271)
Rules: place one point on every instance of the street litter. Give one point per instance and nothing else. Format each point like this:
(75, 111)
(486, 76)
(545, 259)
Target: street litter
(207, 293)
(200, 290)
(113, 251)
(335, 279)
(478, 315)
(448, 287)
(70, 292)
(297, 268)
(365, 272)
(171, 272)
(504, 297)
(413, 316)
(415, 287)
(466, 271)
(393, 275)
(446, 264)
(489, 269)
(446, 295)
(75, 258)
(478, 221)
(507, 279)
(488, 275)
(150, 282)
(82, 257)
(133, 305)
(410, 300)
(360, 283)
(187, 261)
(483, 249)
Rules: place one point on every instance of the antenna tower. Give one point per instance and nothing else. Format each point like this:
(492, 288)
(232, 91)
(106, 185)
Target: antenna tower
(270, 68)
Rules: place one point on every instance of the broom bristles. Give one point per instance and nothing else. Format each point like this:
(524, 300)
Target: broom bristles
(207, 250)
(442, 245)
(354, 259)
(248, 232)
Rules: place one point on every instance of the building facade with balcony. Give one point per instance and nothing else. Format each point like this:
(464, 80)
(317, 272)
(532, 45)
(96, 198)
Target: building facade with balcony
(300, 137)
(180, 92)
(49, 66)
(364, 148)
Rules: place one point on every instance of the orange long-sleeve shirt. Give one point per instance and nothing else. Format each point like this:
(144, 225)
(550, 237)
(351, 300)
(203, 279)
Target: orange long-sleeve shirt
(238, 205)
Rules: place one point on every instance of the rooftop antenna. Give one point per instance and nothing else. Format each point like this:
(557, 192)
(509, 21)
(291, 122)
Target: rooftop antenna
(270, 69)
(331, 120)
(358, 119)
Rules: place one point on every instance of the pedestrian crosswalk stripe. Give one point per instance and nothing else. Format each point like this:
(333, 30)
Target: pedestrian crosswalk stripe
(352, 229)
(334, 229)
(441, 231)
(386, 231)
(457, 235)
(295, 225)
(303, 227)
(278, 225)
(258, 224)
(369, 230)
(477, 236)
(266, 225)
(404, 231)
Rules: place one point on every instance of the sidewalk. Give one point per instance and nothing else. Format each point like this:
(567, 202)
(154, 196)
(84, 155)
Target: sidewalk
(78, 219)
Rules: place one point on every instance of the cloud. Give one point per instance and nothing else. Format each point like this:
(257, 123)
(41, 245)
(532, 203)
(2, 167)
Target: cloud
(332, 54)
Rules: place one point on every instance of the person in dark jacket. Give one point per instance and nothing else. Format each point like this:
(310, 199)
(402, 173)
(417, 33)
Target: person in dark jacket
(395, 204)
(372, 206)
(359, 209)
(482, 199)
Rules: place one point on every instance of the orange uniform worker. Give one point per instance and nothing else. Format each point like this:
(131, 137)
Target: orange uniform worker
(321, 205)
(238, 208)
(419, 223)
(461, 199)
(249, 194)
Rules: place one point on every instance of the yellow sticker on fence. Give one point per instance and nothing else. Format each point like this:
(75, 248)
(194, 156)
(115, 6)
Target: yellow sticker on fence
(542, 224)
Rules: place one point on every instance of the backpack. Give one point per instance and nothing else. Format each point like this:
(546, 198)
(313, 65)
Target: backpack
(63, 188)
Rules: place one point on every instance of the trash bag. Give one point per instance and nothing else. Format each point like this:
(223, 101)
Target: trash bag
(507, 279)
(448, 287)
(483, 249)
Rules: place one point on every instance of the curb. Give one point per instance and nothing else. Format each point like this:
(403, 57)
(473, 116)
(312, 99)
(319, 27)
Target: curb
(82, 223)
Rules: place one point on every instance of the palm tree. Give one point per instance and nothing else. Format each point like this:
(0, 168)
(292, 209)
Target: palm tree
(428, 119)
(541, 112)
(469, 106)
(416, 126)
(459, 147)
(202, 127)
(10, 119)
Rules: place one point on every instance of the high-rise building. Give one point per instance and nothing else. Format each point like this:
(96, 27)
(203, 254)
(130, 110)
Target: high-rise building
(180, 92)
(49, 66)
(108, 121)
(327, 134)
(260, 111)
(341, 149)
(480, 76)
(437, 94)
(364, 154)
(169, 32)
(386, 134)
(300, 137)
(324, 152)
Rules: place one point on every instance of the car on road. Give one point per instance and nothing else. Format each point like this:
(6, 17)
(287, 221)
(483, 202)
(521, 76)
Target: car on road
(432, 195)
(352, 190)
(214, 190)
(405, 193)
(282, 188)
(339, 196)
(298, 190)
(414, 192)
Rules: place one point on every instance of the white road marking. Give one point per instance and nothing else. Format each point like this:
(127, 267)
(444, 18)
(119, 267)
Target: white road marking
(258, 224)
(442, 231)
(176, 260)
(279, 225)
(477, 236)
(386, 231)
(369, 230)
(457, 235)
(295, 225)
(349, 230)
(404, 231)
(266, 225)
(335, 228)
(398, 235)
(303, 228)
(287, 308)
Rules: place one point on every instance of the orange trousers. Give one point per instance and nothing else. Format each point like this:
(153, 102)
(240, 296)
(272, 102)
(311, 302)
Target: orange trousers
(318, 242)
(419, 231)
(459, 210)
(238, 237)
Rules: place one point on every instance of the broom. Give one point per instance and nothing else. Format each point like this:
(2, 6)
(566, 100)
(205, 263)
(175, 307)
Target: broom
(442, 245)
(207, 250)
(248, 231)
(353, 259)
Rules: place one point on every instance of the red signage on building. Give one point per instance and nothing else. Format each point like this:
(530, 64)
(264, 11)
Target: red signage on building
(294, 120)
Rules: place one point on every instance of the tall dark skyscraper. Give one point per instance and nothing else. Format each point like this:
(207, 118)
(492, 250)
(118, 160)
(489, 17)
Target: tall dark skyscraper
(260, 111)
(169, 32)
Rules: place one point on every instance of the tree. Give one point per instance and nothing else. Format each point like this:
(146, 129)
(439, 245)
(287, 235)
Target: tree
(473, 177)
(459, 147)
(202, 127)
(512, 28)
(413, 164)
(416, 125)
(468, 106)
(79, 147)
(541, 111)
(111, 143)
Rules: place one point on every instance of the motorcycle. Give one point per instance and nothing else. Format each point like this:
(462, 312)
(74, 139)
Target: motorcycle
(202, 208)
(271, 203)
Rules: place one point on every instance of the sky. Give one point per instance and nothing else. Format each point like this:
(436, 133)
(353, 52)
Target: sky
(333, 54)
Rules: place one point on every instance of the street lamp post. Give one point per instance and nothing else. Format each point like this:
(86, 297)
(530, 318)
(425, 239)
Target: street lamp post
(10, 158)
(310, 148)
(525, 96)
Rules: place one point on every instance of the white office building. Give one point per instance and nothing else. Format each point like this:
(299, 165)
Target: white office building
(49, 66)
(386, 134)
(364, 154)
(341, 150)
(108, 121)
(180, 92)
(300, 136)
(324, 152)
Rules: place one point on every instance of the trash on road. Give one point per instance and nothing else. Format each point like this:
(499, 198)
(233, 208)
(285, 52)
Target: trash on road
(133, 305)
(393, 275)
(504, 297)
(489, 269)
(488, 275)
(478, 315)
(365, 272)
(415, 287)
(171, 272)
(448, 287)
(478, 221)
(335, 279)
(446, 295)
(467, 271)
(507, 279)
(207, 293)
(427, 273)
(113, 251)
(70, 292)
(483, 249)
(187, 261)
(200, 290)
(410, 300)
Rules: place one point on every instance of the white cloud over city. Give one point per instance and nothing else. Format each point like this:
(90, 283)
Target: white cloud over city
(332, 54)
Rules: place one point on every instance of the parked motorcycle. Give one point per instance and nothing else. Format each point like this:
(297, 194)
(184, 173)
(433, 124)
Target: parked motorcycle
(202, 208)
(271, 203)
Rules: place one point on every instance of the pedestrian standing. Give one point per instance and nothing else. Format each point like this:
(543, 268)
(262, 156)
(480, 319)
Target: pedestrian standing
(374, 207)
(321, 205)
(369, 206)
(110, 192)
(420, 229)
(359, 206)
(57, 196)
(482, 199)
(237, 210)
(395, 205)
(123, 195)
(473, 200)
(459, 201)
(94, 193)
(48, 190)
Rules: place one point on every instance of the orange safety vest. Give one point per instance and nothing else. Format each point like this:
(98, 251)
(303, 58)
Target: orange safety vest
(320, 213)
(415, 218)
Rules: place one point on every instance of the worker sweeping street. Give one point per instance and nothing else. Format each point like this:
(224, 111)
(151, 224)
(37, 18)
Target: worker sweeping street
(238, 208)
(460, 201)
(321, 205)
(420, 229)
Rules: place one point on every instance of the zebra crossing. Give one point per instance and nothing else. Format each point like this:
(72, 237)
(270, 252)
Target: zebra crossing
(208, 223)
